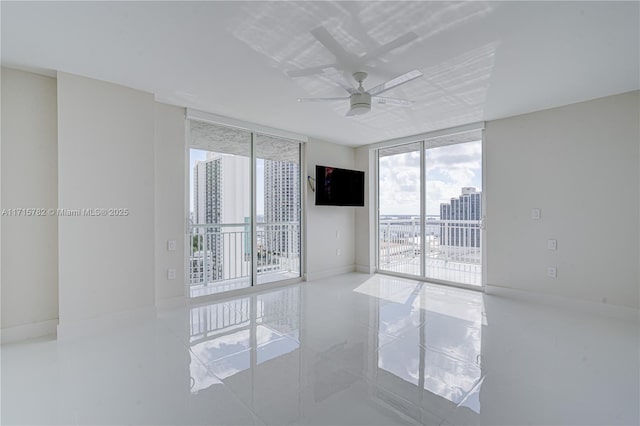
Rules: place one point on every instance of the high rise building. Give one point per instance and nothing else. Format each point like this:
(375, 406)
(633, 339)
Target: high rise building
(282, 206)
(206, 190)
(461, 218)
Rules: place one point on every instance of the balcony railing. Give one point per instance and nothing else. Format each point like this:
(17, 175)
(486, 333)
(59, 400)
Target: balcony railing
(453, 248)
(222, 252)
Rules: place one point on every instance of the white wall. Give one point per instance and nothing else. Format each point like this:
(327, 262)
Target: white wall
(170, 199)
(324, 221)
(579, 164)
(105, 160)
(365, 230)
(29, 180)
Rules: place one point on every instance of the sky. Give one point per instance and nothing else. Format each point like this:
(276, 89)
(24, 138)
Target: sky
(448, 169)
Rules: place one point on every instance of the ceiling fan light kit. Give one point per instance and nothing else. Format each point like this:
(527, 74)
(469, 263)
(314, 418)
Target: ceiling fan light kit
(360, 104)
(360, 100)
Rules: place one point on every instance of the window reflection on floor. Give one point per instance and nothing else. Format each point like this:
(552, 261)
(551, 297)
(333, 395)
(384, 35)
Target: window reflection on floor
(430, 339)
(228, 338)
(425, 357)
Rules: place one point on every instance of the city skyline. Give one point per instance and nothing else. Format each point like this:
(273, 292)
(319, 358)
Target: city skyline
(222, 248)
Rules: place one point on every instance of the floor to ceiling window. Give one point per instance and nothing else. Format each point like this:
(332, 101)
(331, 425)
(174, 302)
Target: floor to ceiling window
(245, 209)
(430, 209)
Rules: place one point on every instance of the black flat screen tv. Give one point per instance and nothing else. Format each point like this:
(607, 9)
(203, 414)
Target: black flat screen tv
(339, 187)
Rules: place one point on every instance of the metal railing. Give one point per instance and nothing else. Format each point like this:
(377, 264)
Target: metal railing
(278, 247)
(222, 252)
(450, 245)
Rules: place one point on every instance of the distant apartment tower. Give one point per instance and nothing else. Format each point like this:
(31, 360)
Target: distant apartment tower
(207, 191)
(221, 185)
(467, 207)
(282, 206)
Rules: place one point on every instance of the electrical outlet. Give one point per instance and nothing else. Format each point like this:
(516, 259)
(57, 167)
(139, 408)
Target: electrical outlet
(536, 214)
(171, 245)
(552, 272)
(552, 244)
(171, 274)
(338, 252)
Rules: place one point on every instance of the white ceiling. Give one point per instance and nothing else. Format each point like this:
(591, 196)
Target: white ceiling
(481, 60)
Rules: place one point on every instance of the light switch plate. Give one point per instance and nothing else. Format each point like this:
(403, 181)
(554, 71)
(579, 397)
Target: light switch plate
(552, 272)
(171, 245)
(536, 214)
(171, 274)
(552, 244)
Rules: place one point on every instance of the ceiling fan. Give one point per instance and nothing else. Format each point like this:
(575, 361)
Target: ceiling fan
(360, 99)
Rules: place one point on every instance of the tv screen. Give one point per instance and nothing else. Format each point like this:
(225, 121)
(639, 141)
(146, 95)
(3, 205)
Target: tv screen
(339, 187)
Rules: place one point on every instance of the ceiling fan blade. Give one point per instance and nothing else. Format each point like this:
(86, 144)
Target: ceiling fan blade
(388, 47)
(309, 71)
(322, 99)
(391, 101)
(395, 82)
(350, 89)
(326, 39)
(339, 79)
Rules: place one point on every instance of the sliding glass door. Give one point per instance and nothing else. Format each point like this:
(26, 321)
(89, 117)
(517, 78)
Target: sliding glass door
(245, 209)
(278, 205)
(453, 231)
(399, 206)
(430, 209)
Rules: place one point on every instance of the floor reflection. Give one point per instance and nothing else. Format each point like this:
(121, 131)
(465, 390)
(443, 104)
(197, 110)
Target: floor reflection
(232, 337)
(434, 357)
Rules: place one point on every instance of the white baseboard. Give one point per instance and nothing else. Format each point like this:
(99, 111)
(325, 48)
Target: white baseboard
(318, 275)
(605, 309)
(28, 331)
(104, 323)
(171, 303)
(365, 269)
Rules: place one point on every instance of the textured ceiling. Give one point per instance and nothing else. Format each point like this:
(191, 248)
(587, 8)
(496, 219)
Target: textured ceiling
(480, 60)
(228, 140)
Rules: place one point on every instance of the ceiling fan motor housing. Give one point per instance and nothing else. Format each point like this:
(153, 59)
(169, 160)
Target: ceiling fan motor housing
(360, 103)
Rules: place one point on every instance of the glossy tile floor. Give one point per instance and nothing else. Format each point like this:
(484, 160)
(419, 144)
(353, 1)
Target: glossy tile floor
(351, 350)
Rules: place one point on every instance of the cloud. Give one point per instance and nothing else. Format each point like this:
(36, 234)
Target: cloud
(400, 185)
(448, 168)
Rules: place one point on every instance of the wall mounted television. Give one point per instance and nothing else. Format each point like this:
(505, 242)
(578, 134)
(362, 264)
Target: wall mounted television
(339, 187)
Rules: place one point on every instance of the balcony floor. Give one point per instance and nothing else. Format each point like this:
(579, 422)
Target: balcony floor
(439, 269)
